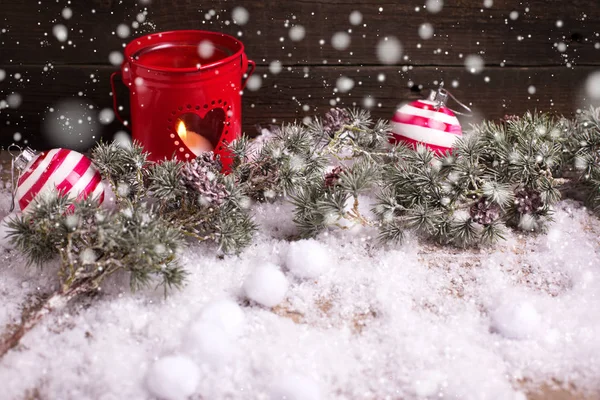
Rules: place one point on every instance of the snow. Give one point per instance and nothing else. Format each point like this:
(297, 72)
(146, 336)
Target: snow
(308, 259)
(60, 32)
(254, 83)
(474, 63)
(592, 85)
(240, 15)
(295, 387)
(426, 31)
(340, 40)
(389, 50)
(173, 378)
(266, 285)
(398, 321)
(344, 84)
(297, 33)
(356, 17)
(516, 320)
(226, 315)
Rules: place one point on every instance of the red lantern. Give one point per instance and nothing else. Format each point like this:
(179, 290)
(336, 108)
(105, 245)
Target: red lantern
(185, 91)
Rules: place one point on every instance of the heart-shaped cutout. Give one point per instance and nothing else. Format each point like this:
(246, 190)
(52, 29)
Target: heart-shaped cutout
(201, 134)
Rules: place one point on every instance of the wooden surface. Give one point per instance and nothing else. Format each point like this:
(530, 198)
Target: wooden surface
(519, 53)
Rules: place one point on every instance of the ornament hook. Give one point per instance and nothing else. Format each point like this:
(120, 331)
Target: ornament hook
(440, 98)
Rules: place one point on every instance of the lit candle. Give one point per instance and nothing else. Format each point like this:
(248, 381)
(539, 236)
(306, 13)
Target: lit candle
(194, 141)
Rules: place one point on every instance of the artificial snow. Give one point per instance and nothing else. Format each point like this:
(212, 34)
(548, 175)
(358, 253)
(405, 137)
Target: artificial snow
(173, 378)
(308, 259)
(266, 285)
(295, 387)
(409, 321)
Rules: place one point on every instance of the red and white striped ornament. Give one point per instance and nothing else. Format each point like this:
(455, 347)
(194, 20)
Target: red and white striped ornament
(428, 122)
(67, 171)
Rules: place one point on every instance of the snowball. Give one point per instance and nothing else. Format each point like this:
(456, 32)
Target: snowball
(60, 32)
(207, 343)
(488, 3)
(531, 89)
(225, 314)
(173, 378)
(516, 320)
(340, 41)
(356, 17)
(266, 285)
(2, 75)
(474, 63)
(389, 50)
(240, 15)
(308, 259)
(297, 33)
(344, 84)
(426, 31)
(295, 387)
(592, 85)
(514, 15)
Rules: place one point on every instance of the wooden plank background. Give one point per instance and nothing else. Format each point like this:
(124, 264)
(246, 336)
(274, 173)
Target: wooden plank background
(549, 45)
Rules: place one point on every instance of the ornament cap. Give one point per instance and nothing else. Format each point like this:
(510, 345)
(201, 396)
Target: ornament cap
(440, 98)
(24, 158)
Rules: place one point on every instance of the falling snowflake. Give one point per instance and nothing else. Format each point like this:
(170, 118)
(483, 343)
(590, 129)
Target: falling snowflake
(340, 41)
(389, 50)
(474, 63)
(426, 31)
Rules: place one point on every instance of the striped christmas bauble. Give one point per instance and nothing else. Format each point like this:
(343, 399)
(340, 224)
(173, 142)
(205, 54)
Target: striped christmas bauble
(421, 122)
(69, 172)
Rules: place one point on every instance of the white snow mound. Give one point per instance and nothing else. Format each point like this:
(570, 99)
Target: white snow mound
(517, 320)
(295, 387)
(225, 314)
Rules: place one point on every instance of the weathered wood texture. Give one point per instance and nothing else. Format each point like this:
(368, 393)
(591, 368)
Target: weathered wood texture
(518, 53)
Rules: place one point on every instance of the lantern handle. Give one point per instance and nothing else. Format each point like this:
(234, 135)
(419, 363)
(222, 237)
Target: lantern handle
(114, 95)
(248, 73)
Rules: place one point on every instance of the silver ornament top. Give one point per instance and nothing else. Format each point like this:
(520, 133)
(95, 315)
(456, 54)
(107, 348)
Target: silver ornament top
(24, 158)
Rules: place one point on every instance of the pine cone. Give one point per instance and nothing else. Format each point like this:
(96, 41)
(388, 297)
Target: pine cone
(332, 178)
(511, 117)
(483, 212)
(200, 176)
(335, 120)
(528, 201)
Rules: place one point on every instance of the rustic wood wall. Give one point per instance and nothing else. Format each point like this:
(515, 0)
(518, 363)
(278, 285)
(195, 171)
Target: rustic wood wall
(538, 54)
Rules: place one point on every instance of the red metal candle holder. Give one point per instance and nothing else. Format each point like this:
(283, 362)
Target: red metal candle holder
(185, 91)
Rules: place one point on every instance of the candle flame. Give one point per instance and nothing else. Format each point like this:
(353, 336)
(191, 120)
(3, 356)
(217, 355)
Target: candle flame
(181, 130)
